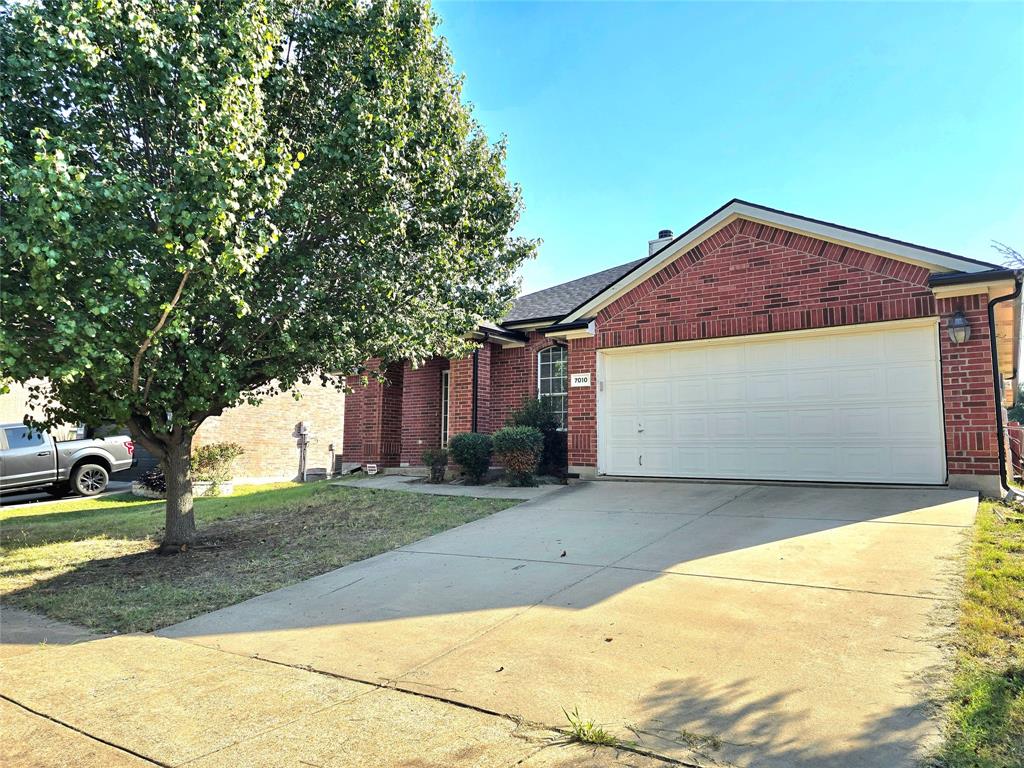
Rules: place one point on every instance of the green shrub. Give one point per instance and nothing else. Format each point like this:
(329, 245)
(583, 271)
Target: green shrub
(519, 450)
(472, 452)
(537, 413)
(212, 463)
(437, 460)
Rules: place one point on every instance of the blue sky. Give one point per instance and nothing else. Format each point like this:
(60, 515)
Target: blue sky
(624, 118)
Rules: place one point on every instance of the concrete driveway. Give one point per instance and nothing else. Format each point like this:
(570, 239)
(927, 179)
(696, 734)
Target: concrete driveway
(799, 626)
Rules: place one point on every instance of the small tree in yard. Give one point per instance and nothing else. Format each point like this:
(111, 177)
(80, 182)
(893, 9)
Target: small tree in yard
(207, 203)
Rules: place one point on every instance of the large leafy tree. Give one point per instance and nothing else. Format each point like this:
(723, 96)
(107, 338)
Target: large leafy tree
(207, 203)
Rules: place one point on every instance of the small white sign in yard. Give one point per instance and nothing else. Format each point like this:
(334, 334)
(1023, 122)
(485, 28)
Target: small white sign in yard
(579, 380)
(371, 469)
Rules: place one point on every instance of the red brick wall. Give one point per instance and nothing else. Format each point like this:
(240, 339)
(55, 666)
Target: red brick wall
(268, 432)
(750, 278)
(391, 416)
(421, 409)
(583, 404)
(373, 418)
(460, 399)
(968, 391)
(514, 376)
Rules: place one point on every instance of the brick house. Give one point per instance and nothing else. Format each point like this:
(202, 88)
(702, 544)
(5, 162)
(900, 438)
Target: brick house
(757, 345)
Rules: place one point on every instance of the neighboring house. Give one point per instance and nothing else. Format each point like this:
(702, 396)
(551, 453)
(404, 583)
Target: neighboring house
(756, 345)
(269, 433)
(14, 406)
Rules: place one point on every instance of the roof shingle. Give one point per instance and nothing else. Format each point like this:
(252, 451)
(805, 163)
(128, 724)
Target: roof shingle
(559, 300)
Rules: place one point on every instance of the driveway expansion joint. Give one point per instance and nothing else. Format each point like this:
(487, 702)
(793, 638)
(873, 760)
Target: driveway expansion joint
(97, 739)
(392, 685)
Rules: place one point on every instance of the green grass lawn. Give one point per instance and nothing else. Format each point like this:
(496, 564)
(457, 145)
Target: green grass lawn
(93, 562)
(985, 717)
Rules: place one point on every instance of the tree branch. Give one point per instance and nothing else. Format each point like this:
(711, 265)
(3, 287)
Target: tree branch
(137, 362)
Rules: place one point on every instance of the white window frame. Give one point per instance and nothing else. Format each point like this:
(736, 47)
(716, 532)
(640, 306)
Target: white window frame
(540, 395)
(446, 393)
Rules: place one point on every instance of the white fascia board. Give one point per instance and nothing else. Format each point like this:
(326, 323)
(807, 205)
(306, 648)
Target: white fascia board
(575, 333)
(994, 289)
(936, 262)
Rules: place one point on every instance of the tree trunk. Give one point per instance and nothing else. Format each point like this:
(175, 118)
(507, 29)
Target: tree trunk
(180, 527)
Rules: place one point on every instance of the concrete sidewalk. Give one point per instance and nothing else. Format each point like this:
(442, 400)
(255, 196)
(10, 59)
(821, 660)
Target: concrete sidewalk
(139, 700)
(417, 485)
(23, 632)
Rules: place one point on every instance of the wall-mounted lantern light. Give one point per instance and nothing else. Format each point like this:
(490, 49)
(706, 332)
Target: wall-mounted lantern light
(958, 328)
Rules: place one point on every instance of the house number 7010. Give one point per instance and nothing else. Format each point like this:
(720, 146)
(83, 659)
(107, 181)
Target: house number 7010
(579, 380)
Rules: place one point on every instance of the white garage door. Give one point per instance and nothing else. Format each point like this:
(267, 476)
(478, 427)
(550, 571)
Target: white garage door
(849, 405)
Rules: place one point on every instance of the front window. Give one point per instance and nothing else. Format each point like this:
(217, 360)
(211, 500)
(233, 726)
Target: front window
(553, 379)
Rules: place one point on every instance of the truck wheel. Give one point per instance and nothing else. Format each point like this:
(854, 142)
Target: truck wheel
(89, 479)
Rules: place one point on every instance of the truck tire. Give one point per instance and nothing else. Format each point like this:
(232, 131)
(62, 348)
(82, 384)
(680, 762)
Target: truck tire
(89, 479)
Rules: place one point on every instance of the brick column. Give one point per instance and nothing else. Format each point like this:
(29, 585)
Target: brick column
(421, 410)
(373, 418)
(483, 390)
(583, 408)
(460, 396)
(969, 400)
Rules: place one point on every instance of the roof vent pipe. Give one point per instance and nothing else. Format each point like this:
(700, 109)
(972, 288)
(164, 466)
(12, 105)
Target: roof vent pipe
(664, 238)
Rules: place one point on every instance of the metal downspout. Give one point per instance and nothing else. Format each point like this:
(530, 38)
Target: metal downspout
(1000, 428)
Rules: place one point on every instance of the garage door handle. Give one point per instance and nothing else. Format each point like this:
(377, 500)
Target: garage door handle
(639, 431)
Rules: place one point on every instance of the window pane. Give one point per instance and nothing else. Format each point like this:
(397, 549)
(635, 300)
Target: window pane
(22, 437)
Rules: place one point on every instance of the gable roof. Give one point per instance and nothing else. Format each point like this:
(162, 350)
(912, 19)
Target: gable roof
(933, 259)
(555, 302)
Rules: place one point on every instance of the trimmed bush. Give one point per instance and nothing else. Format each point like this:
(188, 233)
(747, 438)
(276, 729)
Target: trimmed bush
(154, 480)
(537, 413)
(472, 452)
(519, 450)
(437, 460)
(212, 463)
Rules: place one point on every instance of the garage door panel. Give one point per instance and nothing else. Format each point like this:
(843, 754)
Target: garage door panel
(864, 422)
(728, 389)
(862, 406)
(623, 397)
(914, 421)
(690, 426)
(687, 363)
(728, 424)
(769, 424)
(807, 352)
(768, 388)
(658, 427)
(858, 383)
(858, 350)
(904, 347)
(690, 392)
(812, 423)
(811, 385)
(911, 382)
(656, 393)
(726, 359)
(622, 427)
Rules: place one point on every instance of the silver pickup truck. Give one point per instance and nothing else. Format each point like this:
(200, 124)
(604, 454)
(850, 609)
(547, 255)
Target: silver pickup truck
(31, 460)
